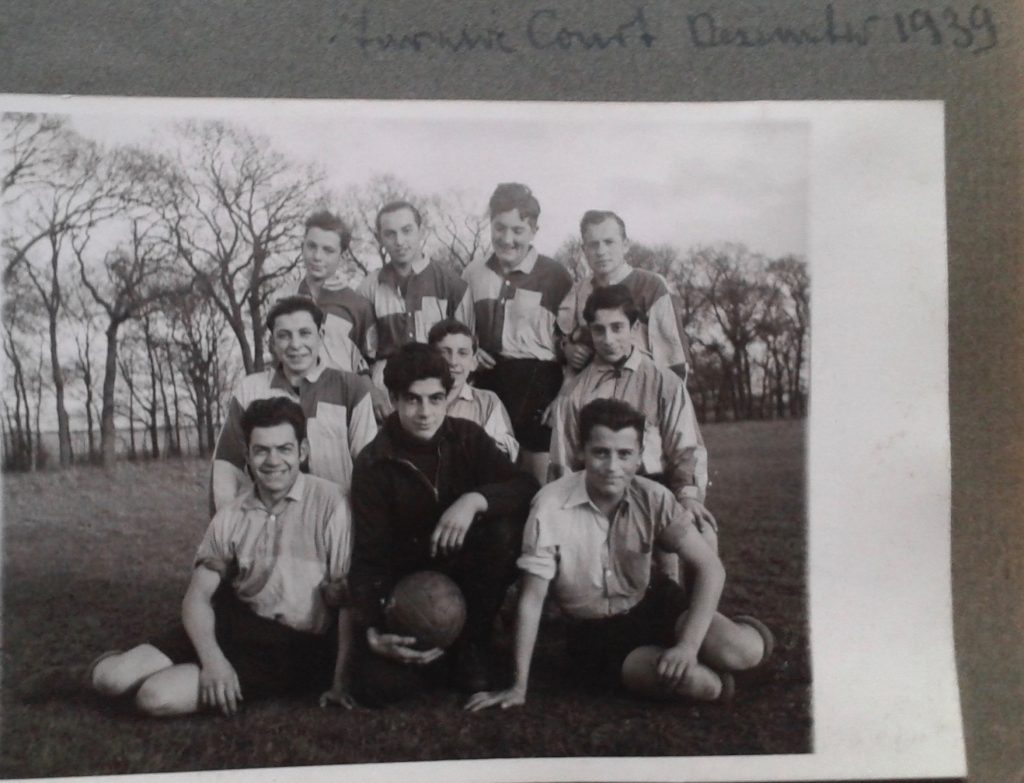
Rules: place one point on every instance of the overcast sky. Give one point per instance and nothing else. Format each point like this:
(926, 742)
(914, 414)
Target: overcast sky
(688, 175)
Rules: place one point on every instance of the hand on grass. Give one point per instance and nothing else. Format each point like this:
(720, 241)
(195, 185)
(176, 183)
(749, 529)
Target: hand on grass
(219, 687)
(513, 697)
(399, 648)
(339, 696)
(675, 663)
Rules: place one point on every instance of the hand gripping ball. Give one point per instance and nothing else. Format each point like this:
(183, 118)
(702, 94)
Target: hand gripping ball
(429, 606)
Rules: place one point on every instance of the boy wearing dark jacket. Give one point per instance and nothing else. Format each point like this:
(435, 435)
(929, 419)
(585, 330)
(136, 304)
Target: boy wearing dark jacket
(430, 492)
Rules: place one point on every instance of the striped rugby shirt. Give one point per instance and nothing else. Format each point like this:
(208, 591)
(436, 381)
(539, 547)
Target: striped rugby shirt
(339, 418)
(432, 294)
(486, 409)
(350, 331)
(673, 445)
(515, 311)
(660, 326)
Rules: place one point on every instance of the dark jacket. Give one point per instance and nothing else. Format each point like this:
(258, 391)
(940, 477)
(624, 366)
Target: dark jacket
(395, 507)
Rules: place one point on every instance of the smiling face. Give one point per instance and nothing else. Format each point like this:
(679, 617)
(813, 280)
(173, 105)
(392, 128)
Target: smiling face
(511, 237)
(612, 335)
(458, 351)
(274, 455)
(605, 248)
(295, 341)
(610, 458)
(401, 237)
(321, 254)
(422, 407)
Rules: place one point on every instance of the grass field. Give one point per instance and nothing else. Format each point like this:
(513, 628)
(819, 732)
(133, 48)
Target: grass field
(96, 560)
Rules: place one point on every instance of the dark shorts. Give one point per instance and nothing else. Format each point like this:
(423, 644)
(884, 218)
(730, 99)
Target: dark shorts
(526, 387)
(271, 659)
(597, 648)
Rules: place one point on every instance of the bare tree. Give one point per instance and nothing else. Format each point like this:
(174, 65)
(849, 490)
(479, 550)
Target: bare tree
(123, 283)
(461, 232)
(790, 274)
(230, 209)
(33, 146)
(360, 206)
(68, 197)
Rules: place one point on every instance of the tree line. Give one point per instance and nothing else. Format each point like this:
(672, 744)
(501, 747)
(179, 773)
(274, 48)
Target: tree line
(137, 279)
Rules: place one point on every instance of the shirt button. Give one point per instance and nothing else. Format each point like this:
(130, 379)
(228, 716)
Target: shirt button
(273, 517)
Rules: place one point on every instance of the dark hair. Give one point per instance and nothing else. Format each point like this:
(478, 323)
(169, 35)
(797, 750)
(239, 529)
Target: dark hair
(398, 206)
(416, 362)
(448, 326)
(611, 297)
(512, 195)
(271, 412)
(611, 413)
(328, 221)
(294, 304)
(594, 217)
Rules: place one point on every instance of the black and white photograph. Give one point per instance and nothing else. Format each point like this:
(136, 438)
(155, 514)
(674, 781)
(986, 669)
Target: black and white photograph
(366, 432)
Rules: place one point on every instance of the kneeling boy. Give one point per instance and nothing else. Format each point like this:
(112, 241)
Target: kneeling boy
(590, 536)
(267, 583)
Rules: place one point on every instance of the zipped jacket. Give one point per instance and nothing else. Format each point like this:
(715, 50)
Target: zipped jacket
(395, 507)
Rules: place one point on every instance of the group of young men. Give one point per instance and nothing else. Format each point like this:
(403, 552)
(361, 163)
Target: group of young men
(502, 424)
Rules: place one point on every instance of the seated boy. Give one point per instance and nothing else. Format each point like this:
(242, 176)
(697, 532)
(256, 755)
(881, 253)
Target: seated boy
(458, 345)
(431, 492)
(590, 536)
(265, 590)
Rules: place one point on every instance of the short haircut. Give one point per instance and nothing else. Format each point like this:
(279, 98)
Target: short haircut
(594, 217)
(328, 221)
(416, 362)
(294, 304)
(448, 326)
(611, 297)
(397, 206)
(513, 195)
(271, 412)
(611, 413)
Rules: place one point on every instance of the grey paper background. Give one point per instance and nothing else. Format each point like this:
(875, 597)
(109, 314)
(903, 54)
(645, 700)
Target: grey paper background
(276, 49)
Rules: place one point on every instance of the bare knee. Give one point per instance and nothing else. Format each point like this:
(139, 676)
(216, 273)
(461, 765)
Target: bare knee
(739, 651)
(156, 700)
(113, 675)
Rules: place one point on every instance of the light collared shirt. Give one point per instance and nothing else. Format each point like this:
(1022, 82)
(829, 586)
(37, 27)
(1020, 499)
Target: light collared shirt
(514, 311)
(288, 566)
(597, 566)
(661, 332)
(486, 409)
(673, 445)
(339, 418)
(405, 310)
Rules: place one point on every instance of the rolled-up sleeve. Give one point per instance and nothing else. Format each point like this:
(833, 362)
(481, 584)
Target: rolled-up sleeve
(338, 545)
(538, 557)
(215, 551)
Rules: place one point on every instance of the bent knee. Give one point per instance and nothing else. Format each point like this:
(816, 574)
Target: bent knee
(112, 676)
(157, 700)
(738, 656)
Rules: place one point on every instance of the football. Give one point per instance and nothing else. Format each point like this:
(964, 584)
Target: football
(429, 606)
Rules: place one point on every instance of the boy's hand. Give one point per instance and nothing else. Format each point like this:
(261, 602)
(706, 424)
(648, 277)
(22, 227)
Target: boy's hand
(219, 687)
(381, 403)
(485, 360)
(399, 648)
(337, 695)
(451, 529)
(513, 697)
(577, 355)
(702, 517)
(674, 664)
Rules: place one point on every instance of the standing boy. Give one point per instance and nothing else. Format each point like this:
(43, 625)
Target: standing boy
(349, 340)
(458, 346)
(515, 295)
(660, 331)
(589, 539)
(410, 293)
(431, 492)
(266, 586)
